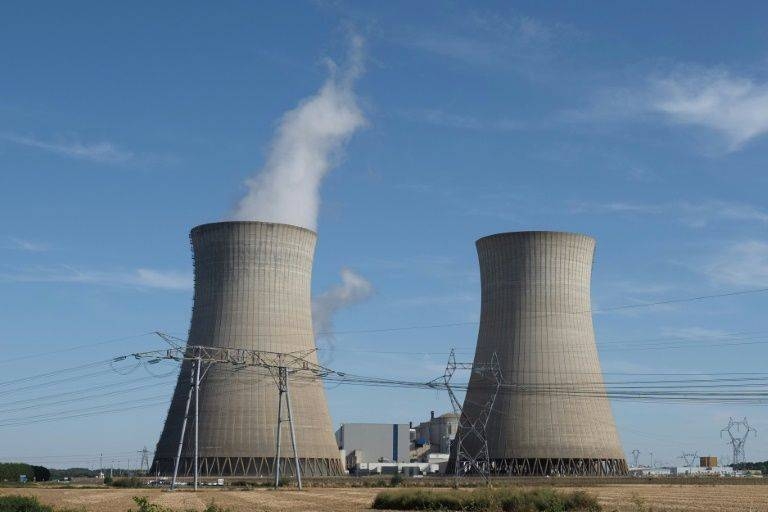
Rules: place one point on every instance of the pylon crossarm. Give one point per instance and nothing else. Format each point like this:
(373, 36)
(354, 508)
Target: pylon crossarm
(294, 362)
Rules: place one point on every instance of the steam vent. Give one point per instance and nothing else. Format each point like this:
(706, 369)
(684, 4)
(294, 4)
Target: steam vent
(252, 291)
(551, 416)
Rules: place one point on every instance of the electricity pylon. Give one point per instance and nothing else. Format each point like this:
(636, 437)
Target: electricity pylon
(280, 366)
(472, 456)
(737, 441)
(689, 458)
(635, 457)
(144, 464)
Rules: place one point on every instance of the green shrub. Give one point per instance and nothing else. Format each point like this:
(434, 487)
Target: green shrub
(212, 507)
(132, 482)
(108, 480)
(15, 503)
(487, 500)
(146, 506)
(396, 480)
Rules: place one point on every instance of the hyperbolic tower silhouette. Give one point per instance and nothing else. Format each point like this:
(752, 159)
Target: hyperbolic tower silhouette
(551, 415)
(252, 291)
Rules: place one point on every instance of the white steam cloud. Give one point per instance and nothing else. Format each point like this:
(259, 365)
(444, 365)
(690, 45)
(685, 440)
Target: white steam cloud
(353, 289)
(308, 144)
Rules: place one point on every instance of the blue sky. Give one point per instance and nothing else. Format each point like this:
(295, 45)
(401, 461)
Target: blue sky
(123, 126)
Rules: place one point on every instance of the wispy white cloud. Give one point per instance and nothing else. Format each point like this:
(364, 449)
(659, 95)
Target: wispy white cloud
(735, 107)
(693, 214)
(742, 264)
(445, 119)
(487, 38)
(138, 278)
(104, 152)
(695, 333)
(27, 245)
(353, 289)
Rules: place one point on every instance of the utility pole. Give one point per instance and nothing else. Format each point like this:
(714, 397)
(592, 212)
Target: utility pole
(652, 460)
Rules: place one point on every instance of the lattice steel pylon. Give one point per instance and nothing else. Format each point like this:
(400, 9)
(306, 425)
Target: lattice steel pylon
(280, 366)
(466, 460)
(144, 464)
(689, 458)
(635, 457)
(737, 441)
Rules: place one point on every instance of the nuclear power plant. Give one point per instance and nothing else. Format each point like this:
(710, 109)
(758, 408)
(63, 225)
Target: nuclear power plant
(551, 416)
(252, 291)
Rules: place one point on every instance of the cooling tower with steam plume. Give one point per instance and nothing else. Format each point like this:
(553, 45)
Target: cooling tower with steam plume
(252, 291)
(551, 415)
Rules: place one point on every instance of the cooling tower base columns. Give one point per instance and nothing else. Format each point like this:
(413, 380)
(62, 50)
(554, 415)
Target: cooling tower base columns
(559, 467)
(251, 467)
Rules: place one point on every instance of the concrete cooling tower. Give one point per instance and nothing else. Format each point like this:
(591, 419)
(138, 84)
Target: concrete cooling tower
(252, 291)
(551, 415)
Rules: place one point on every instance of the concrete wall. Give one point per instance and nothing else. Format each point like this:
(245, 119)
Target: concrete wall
(252, 291)
(387, 441)
(536, 316)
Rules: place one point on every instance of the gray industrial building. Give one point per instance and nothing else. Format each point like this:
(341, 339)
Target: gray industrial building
(374, 442)
(437, 433)
(252, 291)
(552, 415)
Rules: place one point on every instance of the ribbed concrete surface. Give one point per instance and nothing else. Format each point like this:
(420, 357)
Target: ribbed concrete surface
(535, 315)
(252, 290)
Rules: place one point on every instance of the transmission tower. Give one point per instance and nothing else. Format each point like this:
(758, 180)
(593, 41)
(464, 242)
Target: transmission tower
(689, 458)
(280, 365)
(144, 464)
(635, 457)
(737, 439)
(470, 446)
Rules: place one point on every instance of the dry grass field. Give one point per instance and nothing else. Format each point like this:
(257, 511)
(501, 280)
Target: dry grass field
(715, 497)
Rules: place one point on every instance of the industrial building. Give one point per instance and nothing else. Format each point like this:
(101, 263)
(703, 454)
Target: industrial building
(551, 416)
(374, 443)
(435, 435)
(252, 291)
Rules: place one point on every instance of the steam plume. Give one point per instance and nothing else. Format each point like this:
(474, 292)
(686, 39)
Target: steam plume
(353, 289)
(308, 143)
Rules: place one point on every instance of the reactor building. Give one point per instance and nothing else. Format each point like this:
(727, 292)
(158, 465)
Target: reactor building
(252, 291)
(551, 415)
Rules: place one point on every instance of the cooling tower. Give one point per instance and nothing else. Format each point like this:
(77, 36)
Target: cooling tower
(252, 291)
(551, 415)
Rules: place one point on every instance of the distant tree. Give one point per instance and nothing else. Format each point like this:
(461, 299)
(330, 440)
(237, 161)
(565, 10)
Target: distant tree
(41, 474)
(58, 474)
(762, 466)
(11, 471)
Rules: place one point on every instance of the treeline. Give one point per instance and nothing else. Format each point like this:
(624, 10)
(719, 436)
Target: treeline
(11, 471)
(762, 466)
(58, 474)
